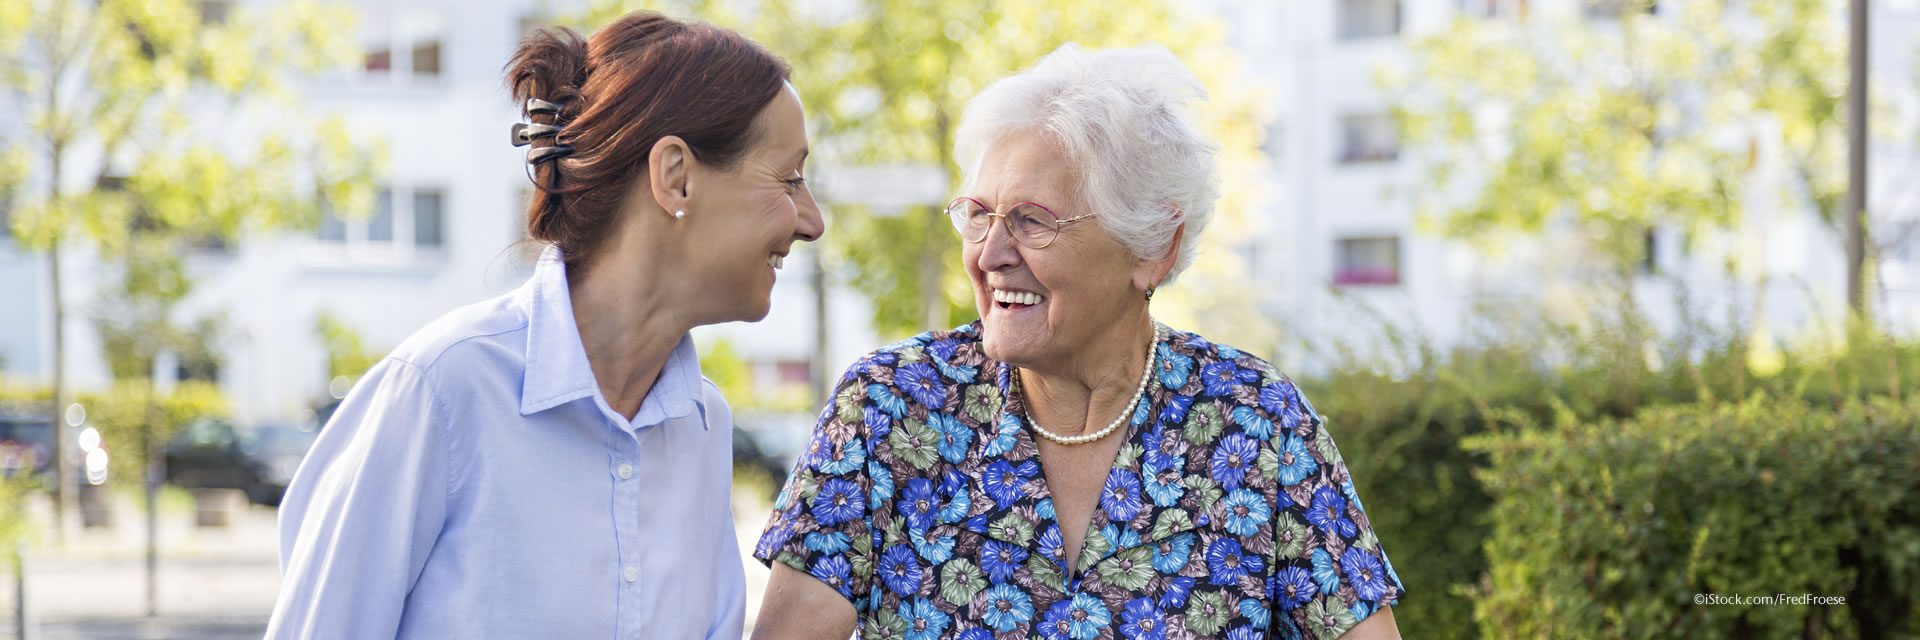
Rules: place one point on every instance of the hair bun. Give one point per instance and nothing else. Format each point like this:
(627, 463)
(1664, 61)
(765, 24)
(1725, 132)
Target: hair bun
(550, 65)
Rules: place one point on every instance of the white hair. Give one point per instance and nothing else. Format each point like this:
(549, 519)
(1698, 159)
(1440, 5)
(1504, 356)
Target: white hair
(1142, 164)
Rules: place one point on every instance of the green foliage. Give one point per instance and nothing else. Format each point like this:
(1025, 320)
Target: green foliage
(885, 82)
(1609, 528)
(1401, 428)
(721, 363)
(1619, 124)
(347, 355)
(126, 411)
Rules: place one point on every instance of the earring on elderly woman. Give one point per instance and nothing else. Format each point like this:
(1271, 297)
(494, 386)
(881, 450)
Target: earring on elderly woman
(679, 214)
(1150, 292)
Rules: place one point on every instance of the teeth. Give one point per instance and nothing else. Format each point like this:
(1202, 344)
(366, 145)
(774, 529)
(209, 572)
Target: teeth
(1016, 297)
(776, 260)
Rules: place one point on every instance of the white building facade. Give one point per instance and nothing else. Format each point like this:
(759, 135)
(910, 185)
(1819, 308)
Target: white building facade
(450, 214)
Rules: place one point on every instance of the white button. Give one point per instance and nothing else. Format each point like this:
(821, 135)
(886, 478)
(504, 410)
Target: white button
(625, 471)
(630, 573)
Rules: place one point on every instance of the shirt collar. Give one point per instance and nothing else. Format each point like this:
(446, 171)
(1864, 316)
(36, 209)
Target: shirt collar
(557, 368)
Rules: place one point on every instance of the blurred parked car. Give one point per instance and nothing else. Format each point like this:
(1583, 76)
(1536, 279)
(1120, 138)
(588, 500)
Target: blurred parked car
(217, 454)
(749, 453)
(26, 444)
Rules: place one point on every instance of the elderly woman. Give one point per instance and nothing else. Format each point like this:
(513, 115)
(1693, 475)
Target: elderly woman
(1066, 467)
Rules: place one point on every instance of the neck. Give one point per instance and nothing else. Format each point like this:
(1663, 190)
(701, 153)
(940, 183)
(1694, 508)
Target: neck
(1096, 386)
(627, 315)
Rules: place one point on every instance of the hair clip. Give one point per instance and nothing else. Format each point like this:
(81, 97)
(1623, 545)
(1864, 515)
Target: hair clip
(524, 133)
(538, 107)
(538, 155)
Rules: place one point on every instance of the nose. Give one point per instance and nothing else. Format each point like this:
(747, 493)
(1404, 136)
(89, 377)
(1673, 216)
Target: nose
(998, 250)
(813, 225)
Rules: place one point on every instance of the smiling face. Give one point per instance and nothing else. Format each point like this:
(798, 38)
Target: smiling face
(1046, 306)
(746, 218)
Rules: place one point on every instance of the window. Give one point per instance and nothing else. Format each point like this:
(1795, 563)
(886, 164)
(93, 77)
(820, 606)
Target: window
(426, 58)
(1368, 18)
(380, 226)
(1367, 261)
(403, 46)
(1371, 137)
(426, 219)
(405, 223)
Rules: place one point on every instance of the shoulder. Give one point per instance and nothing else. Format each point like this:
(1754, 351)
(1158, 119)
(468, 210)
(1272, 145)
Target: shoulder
(714, 405)
(1253, 393)
(484, 336)
(953, 355)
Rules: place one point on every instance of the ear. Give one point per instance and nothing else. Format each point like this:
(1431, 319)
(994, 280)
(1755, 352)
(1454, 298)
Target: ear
(669, 173)
(1149, 273)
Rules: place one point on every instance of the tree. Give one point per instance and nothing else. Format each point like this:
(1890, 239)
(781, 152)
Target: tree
(885, 82)
(1615, 124)
(137, 141)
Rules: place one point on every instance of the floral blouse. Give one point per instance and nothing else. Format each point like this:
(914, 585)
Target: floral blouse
(1227, 514)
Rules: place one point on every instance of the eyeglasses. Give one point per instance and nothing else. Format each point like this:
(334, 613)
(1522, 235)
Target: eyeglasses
(1029, 223)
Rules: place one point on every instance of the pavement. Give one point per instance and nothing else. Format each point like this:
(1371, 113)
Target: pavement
(213, 582)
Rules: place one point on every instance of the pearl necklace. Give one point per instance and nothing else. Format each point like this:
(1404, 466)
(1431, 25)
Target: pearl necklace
(1124, 413)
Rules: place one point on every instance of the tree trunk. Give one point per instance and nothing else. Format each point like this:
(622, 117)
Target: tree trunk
(147, 445)
(1856, 208)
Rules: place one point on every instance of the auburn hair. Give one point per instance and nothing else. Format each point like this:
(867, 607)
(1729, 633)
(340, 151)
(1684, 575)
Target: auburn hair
(637, 80)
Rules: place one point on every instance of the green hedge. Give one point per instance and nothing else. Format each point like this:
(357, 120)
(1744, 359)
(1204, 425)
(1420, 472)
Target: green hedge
(1402, 431)
(1620, 528)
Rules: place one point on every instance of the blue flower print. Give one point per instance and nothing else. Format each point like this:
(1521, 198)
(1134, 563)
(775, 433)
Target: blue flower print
(918, 504)
(900, 570)
(1004, 481)
(1176, 594)
(1004, 438)
(1324, 576)
(833, 570)
(1329, 513)
(1294, 587)
(1227, 564)
(1219, 378)
(1175, 409)
(843, 459)
(924, 620)
(1121, 497)
(1364, 572)
(828, 543)
(1143, 621)
(956, 508)
(1277, 398)
(954, 437)
(1007, 607)
(1172, 553)
(1164, 483)
(1296, 463)
(1051, 545)
(921, 382)
(1001, 559)
(975, 633)
(1246, 511)
(1255, 612)
(1246, 632)
(838, 501)
(1174, 367)
(1231, 459)
(1251, 422)
(882, 485)
(885, 399)
(936, 549)
(878, 422)
(1081, 618)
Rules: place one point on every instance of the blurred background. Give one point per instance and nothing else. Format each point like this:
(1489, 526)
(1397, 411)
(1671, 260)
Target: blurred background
(1608, 302)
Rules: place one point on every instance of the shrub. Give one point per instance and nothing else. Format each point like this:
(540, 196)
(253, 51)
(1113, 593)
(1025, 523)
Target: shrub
(1610, 528)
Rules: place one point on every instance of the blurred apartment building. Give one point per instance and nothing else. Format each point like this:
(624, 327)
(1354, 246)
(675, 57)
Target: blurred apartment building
(450, 212)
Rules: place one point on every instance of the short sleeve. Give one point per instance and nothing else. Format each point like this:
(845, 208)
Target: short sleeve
(822, 519)
(1331, 572)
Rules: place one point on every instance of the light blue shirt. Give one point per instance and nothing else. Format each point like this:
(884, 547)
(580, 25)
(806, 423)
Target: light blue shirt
(475, 484)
